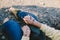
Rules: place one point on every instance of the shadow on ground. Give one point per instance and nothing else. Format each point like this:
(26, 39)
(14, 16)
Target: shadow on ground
(46, 15)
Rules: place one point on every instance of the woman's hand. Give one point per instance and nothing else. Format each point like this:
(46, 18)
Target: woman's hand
(29, 20)
(26, 31)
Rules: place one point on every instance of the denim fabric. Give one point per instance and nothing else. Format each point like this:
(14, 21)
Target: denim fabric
(13, 30)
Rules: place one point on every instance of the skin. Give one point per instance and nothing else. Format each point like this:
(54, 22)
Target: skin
(26, 31)
(32, 21)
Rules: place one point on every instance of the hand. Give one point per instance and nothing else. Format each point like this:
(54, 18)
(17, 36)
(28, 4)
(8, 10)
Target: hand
(26, 31)
(29, 20)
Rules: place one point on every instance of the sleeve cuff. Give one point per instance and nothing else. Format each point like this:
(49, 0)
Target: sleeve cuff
(43, 27)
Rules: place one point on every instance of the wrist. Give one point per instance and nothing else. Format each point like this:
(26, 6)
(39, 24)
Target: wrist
(34, 22)
(26, 35)
(38, 24)
(25, 38)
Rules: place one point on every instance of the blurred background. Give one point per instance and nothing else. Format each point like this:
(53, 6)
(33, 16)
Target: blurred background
(42, 3)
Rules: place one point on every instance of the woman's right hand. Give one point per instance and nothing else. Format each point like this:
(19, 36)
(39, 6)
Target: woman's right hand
(29, 20)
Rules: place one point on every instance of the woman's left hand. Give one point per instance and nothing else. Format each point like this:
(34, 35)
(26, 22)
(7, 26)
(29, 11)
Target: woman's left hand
(26, 31)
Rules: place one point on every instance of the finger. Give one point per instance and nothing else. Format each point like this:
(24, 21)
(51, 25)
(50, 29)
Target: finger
(27, 27)
(30, 17)
(26, 21)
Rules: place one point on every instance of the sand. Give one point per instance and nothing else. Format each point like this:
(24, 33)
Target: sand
(42, 3)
